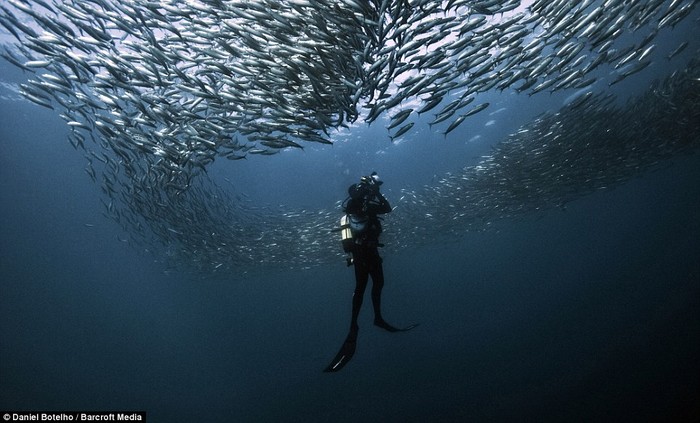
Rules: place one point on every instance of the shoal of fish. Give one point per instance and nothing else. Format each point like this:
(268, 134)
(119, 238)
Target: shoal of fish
(154, 92)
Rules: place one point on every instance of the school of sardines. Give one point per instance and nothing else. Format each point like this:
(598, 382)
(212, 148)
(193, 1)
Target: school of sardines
(155, 91)
(558, 157)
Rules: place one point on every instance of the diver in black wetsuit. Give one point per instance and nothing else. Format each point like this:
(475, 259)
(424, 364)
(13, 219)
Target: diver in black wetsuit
(360, 230)
(363, 208)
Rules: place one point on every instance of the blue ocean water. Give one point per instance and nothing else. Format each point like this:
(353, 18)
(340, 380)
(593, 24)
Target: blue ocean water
(588, 313)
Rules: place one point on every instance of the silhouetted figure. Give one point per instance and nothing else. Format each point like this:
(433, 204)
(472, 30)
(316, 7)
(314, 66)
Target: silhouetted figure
(361, 227)
(363, 208)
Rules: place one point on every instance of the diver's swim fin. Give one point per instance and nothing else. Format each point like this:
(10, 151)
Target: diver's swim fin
(384, 325)
(345, 354)
(348, 349)
(409, 327)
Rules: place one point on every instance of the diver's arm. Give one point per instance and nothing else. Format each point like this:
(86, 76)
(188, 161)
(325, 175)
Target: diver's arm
(378, 204)
(385, 207)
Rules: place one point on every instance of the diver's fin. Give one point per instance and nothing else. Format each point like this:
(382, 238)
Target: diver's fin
(345, 354)
(386, 326)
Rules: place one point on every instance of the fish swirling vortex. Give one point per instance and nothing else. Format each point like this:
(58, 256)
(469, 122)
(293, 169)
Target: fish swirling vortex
(155, 92)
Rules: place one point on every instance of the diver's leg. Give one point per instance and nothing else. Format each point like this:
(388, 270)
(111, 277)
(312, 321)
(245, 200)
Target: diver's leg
(377, 273)
(361, 278)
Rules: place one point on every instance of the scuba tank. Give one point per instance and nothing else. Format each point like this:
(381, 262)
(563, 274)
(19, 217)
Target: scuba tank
(346, 234)
(346, 238)
(354, 223)
(350, 226)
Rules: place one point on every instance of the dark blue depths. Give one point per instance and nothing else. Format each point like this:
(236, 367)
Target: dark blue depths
(589, 312)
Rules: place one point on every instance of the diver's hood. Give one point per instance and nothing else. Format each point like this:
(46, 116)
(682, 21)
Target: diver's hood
(355, 191)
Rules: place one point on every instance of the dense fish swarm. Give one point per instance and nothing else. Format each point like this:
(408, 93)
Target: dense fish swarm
(189, 81)
(558, 157)
(156, 91)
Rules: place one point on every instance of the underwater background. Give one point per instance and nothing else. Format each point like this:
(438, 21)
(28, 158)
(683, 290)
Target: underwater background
(585, 312)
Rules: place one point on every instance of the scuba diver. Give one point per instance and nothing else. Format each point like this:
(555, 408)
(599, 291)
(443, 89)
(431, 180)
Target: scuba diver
(360, 230)
(363, 208)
